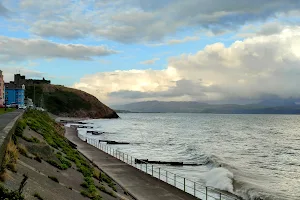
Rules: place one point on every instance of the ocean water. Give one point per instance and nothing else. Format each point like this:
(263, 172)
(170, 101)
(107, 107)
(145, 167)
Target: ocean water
(252, 156)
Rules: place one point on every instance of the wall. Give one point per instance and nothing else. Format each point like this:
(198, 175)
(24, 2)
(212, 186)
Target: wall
(6, 133)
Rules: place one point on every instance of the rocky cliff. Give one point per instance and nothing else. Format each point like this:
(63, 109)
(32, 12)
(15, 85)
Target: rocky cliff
(68, 102)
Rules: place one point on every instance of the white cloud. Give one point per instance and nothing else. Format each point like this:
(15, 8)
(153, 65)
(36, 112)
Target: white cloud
(23, 49)
(132, 21)
(255, 68)
(8, 72)
(264, 29)
(176, 41)
(149, 62)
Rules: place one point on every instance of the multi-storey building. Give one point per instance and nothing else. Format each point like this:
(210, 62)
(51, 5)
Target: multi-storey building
(15, 95)
(2, 90)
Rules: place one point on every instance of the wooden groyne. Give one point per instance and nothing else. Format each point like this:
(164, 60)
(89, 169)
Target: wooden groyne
(113, 142)
(146, 161)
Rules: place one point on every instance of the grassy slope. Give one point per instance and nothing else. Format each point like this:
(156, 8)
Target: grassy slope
(42, 145)
(68, 102)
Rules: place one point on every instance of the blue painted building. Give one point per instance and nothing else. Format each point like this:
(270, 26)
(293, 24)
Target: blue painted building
(15, 96)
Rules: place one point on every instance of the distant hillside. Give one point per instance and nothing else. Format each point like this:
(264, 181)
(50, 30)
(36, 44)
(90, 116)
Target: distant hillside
(198, 107)
(68, 102)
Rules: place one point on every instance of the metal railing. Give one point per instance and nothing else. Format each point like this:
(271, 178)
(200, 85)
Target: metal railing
(194, 188)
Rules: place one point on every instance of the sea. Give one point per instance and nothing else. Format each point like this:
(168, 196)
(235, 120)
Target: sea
(252, 156)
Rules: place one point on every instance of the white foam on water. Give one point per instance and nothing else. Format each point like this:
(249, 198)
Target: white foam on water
(219, 178)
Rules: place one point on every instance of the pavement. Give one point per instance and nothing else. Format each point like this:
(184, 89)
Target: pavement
(6, 118)
(139, 184)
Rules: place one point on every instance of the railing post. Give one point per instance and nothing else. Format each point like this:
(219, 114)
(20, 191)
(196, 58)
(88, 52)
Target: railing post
(175, 180)
(194, 188)
(206, 192)
(152, 169)
(183, 184)
(167, 176)
(146, 168)
(220, 196)
(159, 173)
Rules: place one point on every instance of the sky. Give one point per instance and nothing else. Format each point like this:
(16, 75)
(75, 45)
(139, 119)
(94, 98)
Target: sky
(123, 51)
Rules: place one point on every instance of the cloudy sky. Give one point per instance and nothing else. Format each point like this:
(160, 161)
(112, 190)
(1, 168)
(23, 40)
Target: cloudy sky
(124, 51)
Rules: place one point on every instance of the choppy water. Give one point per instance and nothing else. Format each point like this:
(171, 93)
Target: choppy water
(262, 152)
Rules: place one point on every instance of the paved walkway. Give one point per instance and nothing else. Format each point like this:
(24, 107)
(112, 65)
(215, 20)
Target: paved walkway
(6, 118)
(139, 184)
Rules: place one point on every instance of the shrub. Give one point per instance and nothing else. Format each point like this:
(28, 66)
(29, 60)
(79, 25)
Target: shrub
(62, 160)
(13, 195)
(7, 194)
(22, 150)
(36, 195)
(10, 158)
(84, 185)
(53, 178)
(38, 158)
(21, 125)
(103, 189)
(32, 139)
(112, 186)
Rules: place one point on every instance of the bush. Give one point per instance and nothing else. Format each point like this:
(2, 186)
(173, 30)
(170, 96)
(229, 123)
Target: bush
(13, 195)
(22, 150)
(57, 165)
(10, 158)
(33, 139)
(62, 160)
(53, 178)
(84, 185)
(36, 195)
(21, 125)
(112, 186)
(38, 158)
(7, 194)
(103, 189)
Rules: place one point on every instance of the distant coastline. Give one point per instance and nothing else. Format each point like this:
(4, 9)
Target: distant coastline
(198, 107)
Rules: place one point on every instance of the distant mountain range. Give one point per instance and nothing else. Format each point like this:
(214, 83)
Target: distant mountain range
(264, 107)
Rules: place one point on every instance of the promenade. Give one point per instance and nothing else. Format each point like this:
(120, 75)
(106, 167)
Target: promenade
(139, 184)
(6, 118)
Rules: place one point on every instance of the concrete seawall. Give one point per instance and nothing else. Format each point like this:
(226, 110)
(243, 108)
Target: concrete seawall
(139, 184)
(7, 128)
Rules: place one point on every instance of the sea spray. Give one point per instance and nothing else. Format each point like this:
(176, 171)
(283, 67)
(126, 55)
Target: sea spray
(219, 178)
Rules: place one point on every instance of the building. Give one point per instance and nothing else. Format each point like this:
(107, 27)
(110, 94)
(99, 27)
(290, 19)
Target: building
(15, 95)
(28, 102)
(21, 80)
(2, 90)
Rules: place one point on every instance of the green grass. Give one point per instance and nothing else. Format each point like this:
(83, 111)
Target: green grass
(103, 189)
(53, 135)
(2, 110)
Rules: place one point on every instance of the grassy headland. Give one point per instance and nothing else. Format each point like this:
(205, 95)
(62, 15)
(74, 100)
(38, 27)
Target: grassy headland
(68, 102)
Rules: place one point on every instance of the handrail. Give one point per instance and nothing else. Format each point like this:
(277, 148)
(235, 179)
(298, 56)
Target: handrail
(194, 188)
